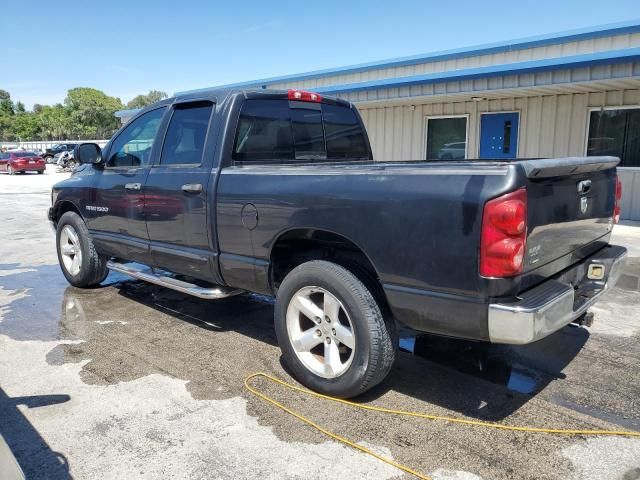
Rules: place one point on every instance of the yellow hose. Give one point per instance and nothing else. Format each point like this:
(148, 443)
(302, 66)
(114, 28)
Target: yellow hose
(266, 398)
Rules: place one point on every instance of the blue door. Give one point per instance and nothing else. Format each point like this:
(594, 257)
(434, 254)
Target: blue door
(499, 135)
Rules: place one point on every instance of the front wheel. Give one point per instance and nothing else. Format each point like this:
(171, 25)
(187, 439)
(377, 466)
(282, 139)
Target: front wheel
(40, 172)
(79, 261)
(332, 333)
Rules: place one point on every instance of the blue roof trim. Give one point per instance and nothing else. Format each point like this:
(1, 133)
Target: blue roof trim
(631, 26)
(575, 61)
(127, 113)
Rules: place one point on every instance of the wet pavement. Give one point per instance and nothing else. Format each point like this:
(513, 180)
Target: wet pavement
(131, 380)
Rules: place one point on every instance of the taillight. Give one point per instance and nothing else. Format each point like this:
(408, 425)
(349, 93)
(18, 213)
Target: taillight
(303, 96)
(504, 234)
(616, 207)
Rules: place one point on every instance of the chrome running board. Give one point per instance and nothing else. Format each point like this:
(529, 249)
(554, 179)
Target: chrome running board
(164, 279)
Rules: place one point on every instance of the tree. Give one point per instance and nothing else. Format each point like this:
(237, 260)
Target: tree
(92, 112)
(54, 122)
(25, 126)
(6, 105)
(142, 101)
(20, 107)
(6, 115)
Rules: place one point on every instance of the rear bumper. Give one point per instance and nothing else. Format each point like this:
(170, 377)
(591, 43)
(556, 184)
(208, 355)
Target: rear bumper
(29, 167)
(548, 307)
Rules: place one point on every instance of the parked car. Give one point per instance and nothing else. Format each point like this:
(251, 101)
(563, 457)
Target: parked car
(276, 192)
(51, 152)
(14, 161)
(452, 151)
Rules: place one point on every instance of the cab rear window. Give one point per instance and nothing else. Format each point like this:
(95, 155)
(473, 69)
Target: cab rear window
(280, 131)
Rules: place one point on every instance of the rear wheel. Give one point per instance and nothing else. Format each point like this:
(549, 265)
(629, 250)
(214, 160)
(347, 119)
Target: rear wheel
(81, 264)
(332, 332)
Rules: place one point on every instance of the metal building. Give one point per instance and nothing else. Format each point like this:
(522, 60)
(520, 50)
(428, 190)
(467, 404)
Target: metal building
(572, 93)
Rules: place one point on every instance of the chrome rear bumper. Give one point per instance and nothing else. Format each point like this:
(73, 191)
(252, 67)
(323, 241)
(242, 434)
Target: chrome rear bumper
(551, 305)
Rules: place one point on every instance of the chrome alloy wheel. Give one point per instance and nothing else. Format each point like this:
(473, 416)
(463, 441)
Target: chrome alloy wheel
(320, 332)
(70, 250)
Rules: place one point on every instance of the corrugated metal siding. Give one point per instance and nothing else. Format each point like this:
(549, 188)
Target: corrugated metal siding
(568, 78)
(550, 126)
(630, 206)
(521, 55)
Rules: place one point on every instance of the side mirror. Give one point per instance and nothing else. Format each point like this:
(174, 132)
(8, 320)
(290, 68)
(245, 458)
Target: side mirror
(88, 153)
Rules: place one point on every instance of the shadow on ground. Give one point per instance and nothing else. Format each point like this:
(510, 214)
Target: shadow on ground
(32, 452)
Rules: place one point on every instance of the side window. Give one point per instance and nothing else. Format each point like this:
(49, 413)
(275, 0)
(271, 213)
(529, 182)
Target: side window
(264, 131)
(344, 134)
(132, 148)
(184, 142)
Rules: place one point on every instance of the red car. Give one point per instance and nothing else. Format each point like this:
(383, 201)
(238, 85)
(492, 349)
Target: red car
(19, 161)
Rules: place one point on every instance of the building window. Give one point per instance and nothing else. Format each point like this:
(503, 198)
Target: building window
(446, 138)
(615, 132)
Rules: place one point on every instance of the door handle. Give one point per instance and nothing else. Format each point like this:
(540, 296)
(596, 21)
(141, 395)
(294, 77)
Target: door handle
(133, 186)
(192, 187)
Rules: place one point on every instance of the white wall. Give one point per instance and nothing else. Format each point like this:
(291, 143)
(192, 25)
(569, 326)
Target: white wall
(550, 125)
(42, 145)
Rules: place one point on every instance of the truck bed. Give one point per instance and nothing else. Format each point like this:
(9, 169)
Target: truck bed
(419, 224)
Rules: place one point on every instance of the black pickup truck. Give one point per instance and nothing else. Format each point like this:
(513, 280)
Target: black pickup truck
(221, 192)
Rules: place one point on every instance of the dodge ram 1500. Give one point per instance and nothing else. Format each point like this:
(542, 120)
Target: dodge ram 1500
(221, 192)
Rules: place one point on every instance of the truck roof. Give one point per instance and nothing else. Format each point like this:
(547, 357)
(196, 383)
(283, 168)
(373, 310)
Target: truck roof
(221, 94)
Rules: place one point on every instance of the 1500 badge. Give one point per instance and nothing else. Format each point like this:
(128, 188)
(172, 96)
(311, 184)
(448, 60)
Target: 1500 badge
(93, 208)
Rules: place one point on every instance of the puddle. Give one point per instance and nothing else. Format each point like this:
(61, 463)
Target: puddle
(494, 363)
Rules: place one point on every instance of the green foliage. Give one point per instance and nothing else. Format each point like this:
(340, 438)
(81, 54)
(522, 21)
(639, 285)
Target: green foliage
(142, 101)
(86, 113)
(6, 105)
(54, 122)
(92, 112)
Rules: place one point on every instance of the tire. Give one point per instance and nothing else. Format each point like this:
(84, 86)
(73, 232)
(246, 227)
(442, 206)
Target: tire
(325, 285)
(40, 172)
(91, 267)
(10, 170)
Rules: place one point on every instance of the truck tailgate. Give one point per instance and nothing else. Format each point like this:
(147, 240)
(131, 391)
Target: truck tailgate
(570, 205)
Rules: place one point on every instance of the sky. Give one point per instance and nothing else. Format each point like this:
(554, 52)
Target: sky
(125, 48)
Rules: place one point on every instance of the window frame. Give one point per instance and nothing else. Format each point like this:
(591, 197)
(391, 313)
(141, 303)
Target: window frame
(157, 163)
(425, 141)
(264, 161)
(124, 127)
(588, 127)
(236, 112)
(363, 130)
